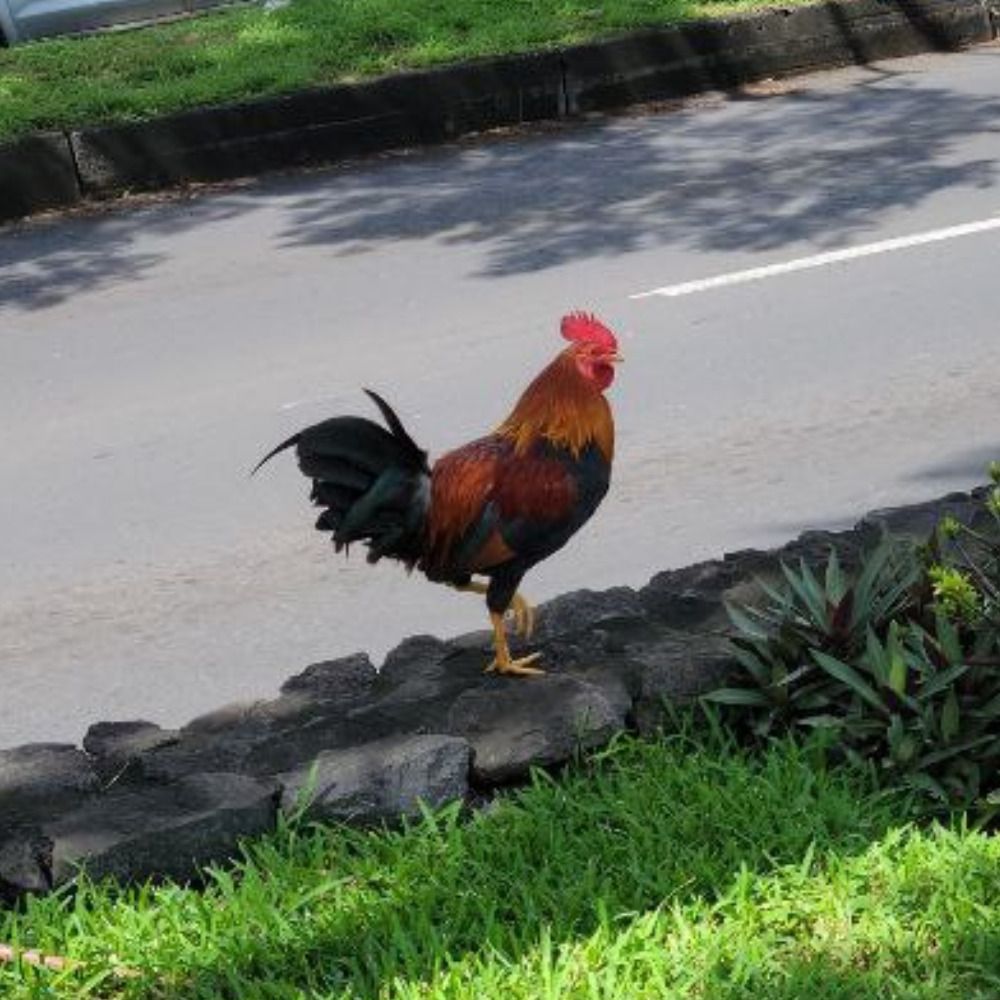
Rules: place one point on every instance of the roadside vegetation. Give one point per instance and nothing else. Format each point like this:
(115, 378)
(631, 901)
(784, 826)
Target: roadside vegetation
(682, 868)
(894, 666)
(247, 52)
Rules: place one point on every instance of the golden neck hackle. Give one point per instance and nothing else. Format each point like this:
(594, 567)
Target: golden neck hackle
(565, 409)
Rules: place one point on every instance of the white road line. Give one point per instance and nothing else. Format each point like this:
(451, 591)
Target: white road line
(821, 260)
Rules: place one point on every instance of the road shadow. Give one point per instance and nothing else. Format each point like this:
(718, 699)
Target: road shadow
(970, 465)
(48, 260)
(823, 167)
(757, 172)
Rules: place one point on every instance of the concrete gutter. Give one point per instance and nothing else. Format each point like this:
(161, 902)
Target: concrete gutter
(58, 169)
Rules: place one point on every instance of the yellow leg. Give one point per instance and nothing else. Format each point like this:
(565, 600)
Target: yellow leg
(524, 616)
(502, 662)
(522, 613)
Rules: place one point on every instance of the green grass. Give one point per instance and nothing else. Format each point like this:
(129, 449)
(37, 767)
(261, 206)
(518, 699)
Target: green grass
(681, 869)
(249, 52)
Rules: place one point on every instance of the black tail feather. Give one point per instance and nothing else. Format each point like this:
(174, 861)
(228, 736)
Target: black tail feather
(397, 428)
(294, 439)
(372, 483)
(337, 472)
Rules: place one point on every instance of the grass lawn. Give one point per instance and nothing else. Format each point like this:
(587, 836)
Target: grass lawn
(680, 869)
(250, 52)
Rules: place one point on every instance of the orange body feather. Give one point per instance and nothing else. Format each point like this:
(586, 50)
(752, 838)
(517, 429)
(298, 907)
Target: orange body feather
(509, 470)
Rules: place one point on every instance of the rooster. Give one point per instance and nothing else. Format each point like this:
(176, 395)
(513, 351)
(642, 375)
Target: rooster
(492, 508)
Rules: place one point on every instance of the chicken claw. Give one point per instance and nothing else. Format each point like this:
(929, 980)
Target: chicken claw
(516, 668)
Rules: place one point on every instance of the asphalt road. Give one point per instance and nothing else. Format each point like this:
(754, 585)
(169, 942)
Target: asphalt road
(150, 354)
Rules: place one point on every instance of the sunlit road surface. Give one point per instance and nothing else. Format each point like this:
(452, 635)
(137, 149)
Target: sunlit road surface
(780, 373)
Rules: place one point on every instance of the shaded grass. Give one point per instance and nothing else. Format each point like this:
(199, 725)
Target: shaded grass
(250, 52)
(677, 869)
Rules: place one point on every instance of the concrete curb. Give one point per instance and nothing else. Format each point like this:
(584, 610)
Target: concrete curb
(418, 108)
(36, 173)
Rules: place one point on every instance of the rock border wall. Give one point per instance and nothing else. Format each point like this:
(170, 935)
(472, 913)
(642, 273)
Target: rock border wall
(366, 746)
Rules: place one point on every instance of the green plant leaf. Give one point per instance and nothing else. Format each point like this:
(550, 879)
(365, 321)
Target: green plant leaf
(821, 721)
(796, 675)
(745, 623)
(877, 658)
(906, 749)
(779, 597)
(872, 566)
(938, 756)
(835, 585)
(807, 589)
(888, 575)
(897, 673)
(990, 710)
(941, 680)
(753, 663)
(947, 638)
(950, 717)
(849, 676)
(737, 696)
(925, 783)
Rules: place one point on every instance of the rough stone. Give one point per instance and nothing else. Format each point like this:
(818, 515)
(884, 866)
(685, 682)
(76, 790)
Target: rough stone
(289, 743)
(813, 547)
(265, 737)
(587, 631)
(41, 780)
(345, 679)
(193, 753)
(677, 667)
(694, 597)
(583, 610)
(24, 864)
(381, 780)
(918, 521)
(537, 722)
(162, 831)
(418, 682)
(616, 677)
(116, 746)
(686, 597)
(416, 661)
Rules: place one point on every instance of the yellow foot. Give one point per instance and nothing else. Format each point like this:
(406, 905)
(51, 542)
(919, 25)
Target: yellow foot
(516, 668)
(523, 615)
(503, 662)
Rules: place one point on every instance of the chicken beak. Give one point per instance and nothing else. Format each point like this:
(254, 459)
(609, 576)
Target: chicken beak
(616, 358)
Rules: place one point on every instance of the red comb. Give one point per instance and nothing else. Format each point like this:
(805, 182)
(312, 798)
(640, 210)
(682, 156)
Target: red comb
(588, 328)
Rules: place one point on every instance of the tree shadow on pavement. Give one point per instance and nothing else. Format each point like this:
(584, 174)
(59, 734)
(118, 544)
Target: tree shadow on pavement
(820, 165)
(751, 174)
(45, 261)
(970, 464)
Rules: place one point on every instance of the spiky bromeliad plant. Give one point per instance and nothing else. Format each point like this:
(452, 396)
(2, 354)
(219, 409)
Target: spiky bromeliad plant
(898, 665)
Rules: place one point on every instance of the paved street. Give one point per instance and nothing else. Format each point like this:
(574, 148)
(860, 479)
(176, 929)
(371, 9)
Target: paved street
(149, 355)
